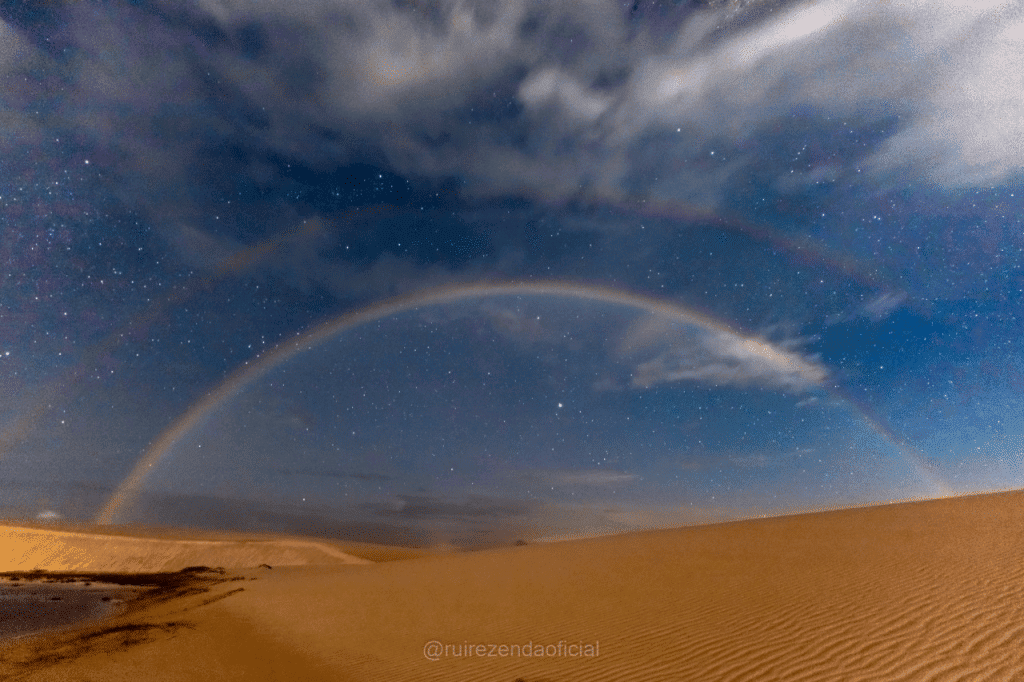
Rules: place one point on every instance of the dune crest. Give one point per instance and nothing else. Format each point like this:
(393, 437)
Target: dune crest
(912, 592)
(26, 549)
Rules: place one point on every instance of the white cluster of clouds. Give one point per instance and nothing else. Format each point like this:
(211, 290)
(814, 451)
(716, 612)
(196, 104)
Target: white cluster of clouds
(725, 359)
(551, 99)
(592, 89)
(661, 350)
(591, 84)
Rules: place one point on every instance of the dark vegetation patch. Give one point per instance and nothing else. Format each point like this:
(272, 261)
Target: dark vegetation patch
(192, 575)
(221, 596)
(103, 640)
(24, 658)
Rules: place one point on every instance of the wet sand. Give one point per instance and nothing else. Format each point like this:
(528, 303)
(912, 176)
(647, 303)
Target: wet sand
(916, 591)
(35, 604)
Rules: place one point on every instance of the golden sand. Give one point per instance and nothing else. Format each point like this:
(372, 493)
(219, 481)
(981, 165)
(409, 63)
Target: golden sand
(26, 549)
(916, 591)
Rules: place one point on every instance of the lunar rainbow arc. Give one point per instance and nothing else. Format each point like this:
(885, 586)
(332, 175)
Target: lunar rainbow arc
(128, 489)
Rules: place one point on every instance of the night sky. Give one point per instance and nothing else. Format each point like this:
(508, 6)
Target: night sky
(457, 273)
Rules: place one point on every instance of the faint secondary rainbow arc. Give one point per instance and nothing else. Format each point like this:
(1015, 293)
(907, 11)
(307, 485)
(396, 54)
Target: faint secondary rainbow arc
(921, 466)
(129, 488)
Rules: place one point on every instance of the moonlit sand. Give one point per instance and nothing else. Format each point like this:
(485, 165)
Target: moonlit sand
(911, 591)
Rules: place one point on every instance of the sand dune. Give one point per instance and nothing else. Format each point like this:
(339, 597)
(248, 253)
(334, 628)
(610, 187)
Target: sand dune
(918, 591)
(23, 549)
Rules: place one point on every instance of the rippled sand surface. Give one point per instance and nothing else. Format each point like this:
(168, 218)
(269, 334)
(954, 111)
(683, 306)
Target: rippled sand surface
(917, 591)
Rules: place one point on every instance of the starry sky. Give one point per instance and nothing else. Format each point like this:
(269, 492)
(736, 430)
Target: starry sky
(454, 273)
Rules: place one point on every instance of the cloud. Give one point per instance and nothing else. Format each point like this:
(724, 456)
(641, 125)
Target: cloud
(16, 124)
(550, 87)
(883, 305)
(465, 521)
(584, 120)
(410, 520)
(753, 461)
(967, 129)
(921, 62)
(665, 352)
(302, 258)
(200, 249)
(585, 478)
(481, 521)
(425, 507)
(401, 76)
(199, 511)
(365, 476)
(552, 100)
(12, 47)
(875, 309)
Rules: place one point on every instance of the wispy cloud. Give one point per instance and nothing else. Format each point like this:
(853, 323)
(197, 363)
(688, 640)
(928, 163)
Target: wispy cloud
(883, 305)
(546, 96)
(585, 478)
(368, 477)
(557, 100)
(764, 460)
(425, 507)
(666, 352)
